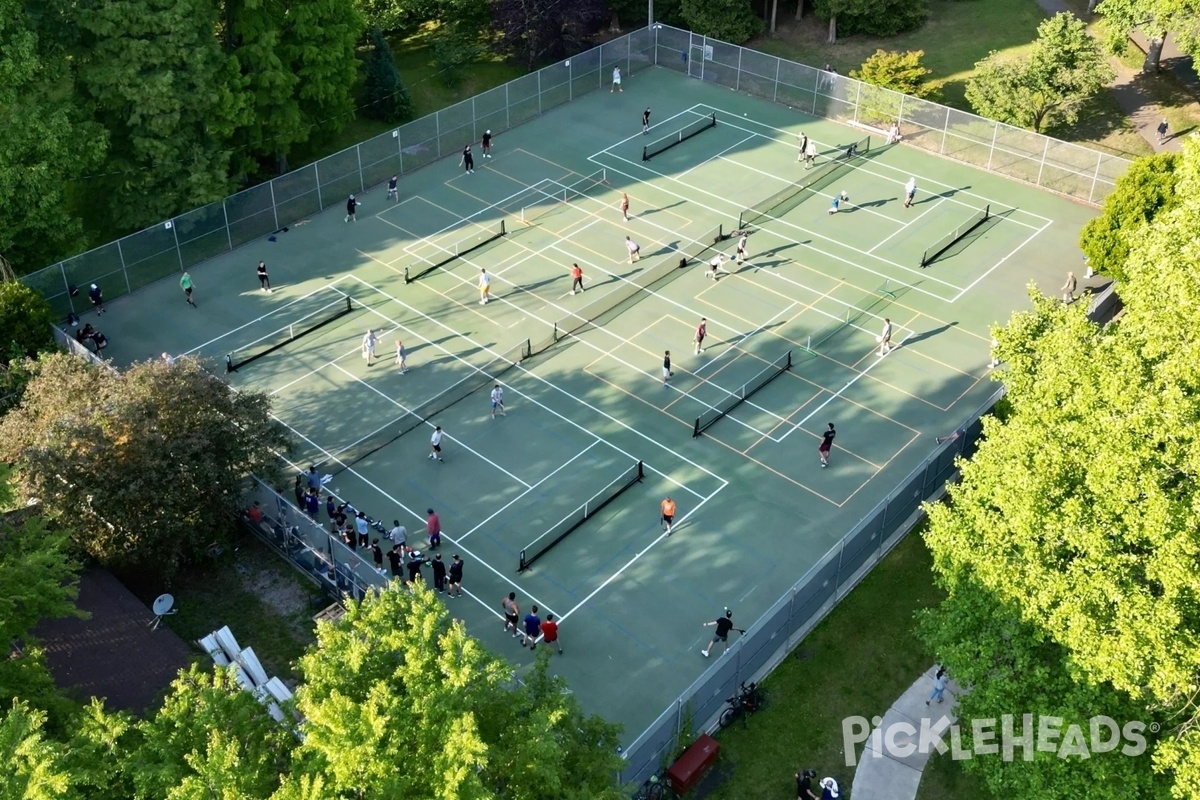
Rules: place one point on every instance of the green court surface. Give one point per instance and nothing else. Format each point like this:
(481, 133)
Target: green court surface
(756, 509)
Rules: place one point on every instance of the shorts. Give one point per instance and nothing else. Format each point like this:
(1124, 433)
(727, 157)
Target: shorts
(824, 448)
(666, 373)
(188, 291)
(510, 620)
(616, 81)
(497, 404)
(532, 631)
(668, 518)
(437, 448)
(719, 638)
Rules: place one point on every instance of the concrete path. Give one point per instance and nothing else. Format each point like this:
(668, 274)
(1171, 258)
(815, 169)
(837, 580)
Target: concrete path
(886, 770)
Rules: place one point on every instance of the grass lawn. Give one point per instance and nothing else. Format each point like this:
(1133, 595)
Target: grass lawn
(856, 662)
(263, 600)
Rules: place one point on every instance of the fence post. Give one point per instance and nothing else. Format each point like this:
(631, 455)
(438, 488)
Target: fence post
(362, 186)
(857, 99)
(1042, 166)
(62, 270)
(539, 79)
(317, 178)
(900, 111)
(274, 211)
(778, 64)
(124, 268)
(945, 132)
(738, 84)
(570, 81)
(992, 151)
(437, 131)
(1095, 177)
(507, 115)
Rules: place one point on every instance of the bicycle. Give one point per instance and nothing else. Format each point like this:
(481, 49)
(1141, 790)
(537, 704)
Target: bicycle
(750, 698)
(651, 790)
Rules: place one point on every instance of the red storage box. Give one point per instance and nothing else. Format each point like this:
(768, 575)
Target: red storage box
(690, 767)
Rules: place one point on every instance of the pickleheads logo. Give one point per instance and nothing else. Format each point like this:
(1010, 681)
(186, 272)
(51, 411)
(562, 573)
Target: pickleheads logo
(1035, 734)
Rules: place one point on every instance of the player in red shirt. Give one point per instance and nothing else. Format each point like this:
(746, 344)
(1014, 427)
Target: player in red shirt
(550, 632)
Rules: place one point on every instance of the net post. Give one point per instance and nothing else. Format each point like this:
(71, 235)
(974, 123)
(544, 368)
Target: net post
(987, 212)
(924, 260)
(229, 367)
(524, 565)
(291, 332)
(406, 278)
(641, 470)
(349, 307)
(527, 350)
(503, 230)
(696, 428)
(789, 360)
(556, 332)
(585, 510)
(714, 119)
(721, 232)
(644, 156)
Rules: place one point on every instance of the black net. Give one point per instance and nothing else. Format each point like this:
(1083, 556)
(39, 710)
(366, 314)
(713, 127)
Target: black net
(455, 250)
(743, 392)
(480, 378)
(284, 336)
(814, 180)
(542, 544)
(955, 236)
(851, 316)
(679, 137)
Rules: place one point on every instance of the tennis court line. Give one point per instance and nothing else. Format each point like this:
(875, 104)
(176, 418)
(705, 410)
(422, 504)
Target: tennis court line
(532, 488)
(540, 379)
(999, 263)
(985, 200)
(269, 314)
(482, 562)
(642, 552)
(854, 264)
(721, 154)
(913, 221)
(631, 137)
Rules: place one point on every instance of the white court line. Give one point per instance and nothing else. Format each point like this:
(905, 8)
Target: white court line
(630, 138)
(991, 269)
(884, 241)
(268, 314)
(540, 379)
(730, 345)
(429, 424)
(415, 515)
(631, 561)
(790, 136)
(721, 154)
(522, 495)
(838, 393)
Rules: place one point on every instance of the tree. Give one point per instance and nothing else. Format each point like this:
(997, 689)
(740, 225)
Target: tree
(146, 463)
(386, 98)
(33, 768)
(1145, 190)
(900, 72)
(318, 45)
(47, 143)
(1064, 68)
(538, 31)
(1080, 510)
(394, 16)
(406, 684)
(728, 20)
(1155, 18)
(170, 99)
(875, 17)
(25, 321)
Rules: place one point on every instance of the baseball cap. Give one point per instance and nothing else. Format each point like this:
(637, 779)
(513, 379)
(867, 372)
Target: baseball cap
(429, 511)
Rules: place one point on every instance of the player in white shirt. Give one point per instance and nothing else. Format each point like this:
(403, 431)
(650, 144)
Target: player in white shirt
(885, 338)
(497, 401)
(717, 264)
(741, 254)
(435, 444)
(368, 346)
(485, 286)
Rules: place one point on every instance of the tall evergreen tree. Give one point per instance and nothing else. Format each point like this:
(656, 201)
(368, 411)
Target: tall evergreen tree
(385, 95)
(317, 44)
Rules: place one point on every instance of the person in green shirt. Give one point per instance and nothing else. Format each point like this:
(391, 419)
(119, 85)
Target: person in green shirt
(186, 284)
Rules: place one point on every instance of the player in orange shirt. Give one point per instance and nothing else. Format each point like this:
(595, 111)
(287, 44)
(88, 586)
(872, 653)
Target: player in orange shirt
(668, 514)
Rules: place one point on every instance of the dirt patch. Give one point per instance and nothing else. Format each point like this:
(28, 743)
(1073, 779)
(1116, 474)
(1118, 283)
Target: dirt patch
(281, 592)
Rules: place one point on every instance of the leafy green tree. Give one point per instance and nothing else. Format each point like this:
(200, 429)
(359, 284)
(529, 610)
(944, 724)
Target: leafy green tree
(33, 764)
(25, 319)
(385, 95)
(1064, 68)
(406, 684)
(874, 17)
(537, 31)
(170, 99)
(395, 16)
(98, 752)
(318, 45)
(147, 463)
(728, 20)
(1146, 189)
(900, 72)
(211, 738)
(46, 143)
(1155, 18)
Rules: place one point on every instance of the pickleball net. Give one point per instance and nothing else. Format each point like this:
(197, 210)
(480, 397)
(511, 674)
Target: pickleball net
(571, 522)
(413, 418)
(480, 236)
(310, 322)
(851, 316)
(814, 180)
(679, 137)
(955, 236)
(550, 195)
(743, 393)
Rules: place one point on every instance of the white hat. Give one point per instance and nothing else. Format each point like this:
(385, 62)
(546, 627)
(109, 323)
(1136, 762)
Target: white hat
(93, 286)
(488, 131)
(831, 785)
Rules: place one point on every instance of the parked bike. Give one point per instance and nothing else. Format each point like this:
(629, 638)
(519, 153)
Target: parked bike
(750, 698)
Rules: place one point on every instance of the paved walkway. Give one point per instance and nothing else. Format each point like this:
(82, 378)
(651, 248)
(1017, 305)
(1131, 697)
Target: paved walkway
(882, 775)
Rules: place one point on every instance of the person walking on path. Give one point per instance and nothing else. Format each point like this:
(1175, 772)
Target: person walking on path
(512, 613)
(740, 255)
(439, 574)
(803, 146)
(433, 527)
(485, 144)
(646, 121)
(550, 633)
(939, 686)
(576, 278)
(616, 81)
(264, 280)
(885, 338)
(724, 626)
(533, 627)
(667, 373)
(455, 577)
(701, 332)
(435, 444)
(393, 193)
(910, 191)
(635, 250)
(668, 514)
(369, 341)
(185, 283)
(97, 298)
(485, 286)
(401, 357)
(810, 154)
(625, 206)
(351, 210)
(1068, 288)
(826, 445)
(1162, 131)
(804, 781)
(498, 401)
(467, 161)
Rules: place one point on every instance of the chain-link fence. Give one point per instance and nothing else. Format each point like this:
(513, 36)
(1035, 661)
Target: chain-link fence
(1070, 169)
(180, 243)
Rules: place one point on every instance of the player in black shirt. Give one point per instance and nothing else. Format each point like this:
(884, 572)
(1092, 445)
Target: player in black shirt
(723, 625)
(804, 785)
(456, 572)
(646, 121)
(439, 573)
(394, 561)
(393, 193)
